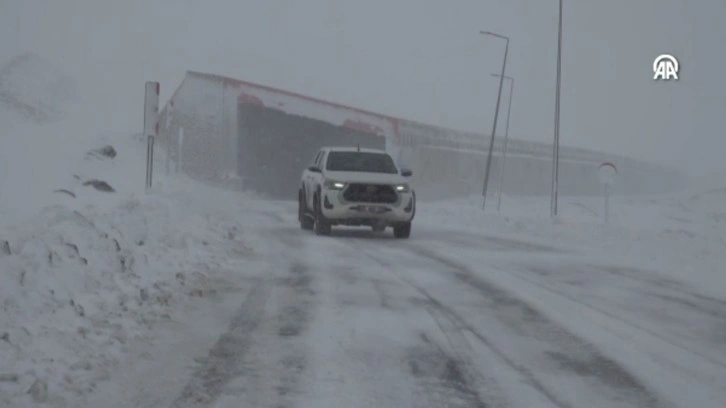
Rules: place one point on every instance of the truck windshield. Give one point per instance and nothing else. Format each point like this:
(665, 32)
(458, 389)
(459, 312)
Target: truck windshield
(361, 161)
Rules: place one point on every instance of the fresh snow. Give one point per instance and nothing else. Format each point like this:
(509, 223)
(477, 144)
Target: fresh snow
(36, 88)
(193, 296)
(681, 236)
(88, 276)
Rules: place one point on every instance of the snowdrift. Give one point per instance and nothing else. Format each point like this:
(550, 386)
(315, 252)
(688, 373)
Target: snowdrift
(78, 285)
(88, 261)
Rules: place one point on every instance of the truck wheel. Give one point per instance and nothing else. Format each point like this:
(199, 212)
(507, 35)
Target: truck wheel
(402, 230)
(321, 226)
(306, 222)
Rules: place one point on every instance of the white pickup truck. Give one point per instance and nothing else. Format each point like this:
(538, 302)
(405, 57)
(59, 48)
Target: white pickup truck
(355, 187)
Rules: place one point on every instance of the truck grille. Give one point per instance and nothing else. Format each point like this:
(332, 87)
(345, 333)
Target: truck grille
(370, 193)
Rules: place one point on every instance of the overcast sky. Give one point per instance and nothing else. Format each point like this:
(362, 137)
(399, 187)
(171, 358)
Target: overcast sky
(418, 59)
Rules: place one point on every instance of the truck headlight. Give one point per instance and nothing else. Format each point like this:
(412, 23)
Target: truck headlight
(403, 188)
(333, 185)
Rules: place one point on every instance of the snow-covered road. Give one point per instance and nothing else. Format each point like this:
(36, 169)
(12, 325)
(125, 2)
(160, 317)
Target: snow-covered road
(441, 320)
(188, 295)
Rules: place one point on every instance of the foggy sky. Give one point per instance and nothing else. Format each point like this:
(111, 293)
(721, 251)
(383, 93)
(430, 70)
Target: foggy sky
(418, 59)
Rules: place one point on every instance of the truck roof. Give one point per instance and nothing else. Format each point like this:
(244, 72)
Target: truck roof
(354, 149)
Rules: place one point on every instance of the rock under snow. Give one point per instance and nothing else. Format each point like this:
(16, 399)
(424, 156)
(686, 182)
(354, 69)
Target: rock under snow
(39, 391)
(107, 152)
(99, 185)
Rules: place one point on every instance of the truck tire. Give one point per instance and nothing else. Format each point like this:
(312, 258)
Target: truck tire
(306, 222)
(402, 230)
(321, 226)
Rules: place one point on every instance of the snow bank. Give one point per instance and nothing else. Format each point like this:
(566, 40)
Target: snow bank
(84, 276)
(77, 285)
(86, 270)
(85, 273)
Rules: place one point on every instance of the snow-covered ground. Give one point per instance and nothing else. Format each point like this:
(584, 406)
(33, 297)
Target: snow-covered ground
(682, 236)
(86, 273)
(193, 296)
(214, 297)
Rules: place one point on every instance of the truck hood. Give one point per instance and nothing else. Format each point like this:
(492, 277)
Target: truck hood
(361, 177)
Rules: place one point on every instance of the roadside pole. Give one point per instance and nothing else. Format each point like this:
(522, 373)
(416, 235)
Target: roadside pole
(151, 126)
(180, 150)
(167, 135)
(606, 173)
(607, 203)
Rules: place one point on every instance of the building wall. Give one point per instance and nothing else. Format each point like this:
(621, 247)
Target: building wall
(275, 147)
(447, 162)
(441, 173)
(233, 127)
(206, 110)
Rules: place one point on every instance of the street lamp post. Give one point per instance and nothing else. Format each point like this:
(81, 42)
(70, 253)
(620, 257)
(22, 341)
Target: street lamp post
(506, 140)
(496, 115)
(556, 144)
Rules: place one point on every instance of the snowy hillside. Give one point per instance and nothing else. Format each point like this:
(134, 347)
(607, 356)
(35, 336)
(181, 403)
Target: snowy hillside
(87, 262)
(79, 286)
(47, 144)
(33, 87)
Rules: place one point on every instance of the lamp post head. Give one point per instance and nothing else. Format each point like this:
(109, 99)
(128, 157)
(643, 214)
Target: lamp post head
(505, 76)
(494, 35)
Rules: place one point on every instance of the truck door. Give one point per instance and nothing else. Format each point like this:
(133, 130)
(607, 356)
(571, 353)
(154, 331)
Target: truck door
(309, 181)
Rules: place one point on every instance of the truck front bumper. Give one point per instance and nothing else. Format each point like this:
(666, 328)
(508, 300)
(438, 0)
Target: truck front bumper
(339, 211)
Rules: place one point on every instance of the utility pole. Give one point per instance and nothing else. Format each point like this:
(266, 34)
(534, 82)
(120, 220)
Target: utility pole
(556, 144)
(506, 141)
(496, 115)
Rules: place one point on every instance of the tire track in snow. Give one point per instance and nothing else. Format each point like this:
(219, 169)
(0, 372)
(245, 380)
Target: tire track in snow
(268, 322)
(676, 347)
(569, 352)
(225, 357)
(444, 378)
(384, 299)
(448, 376)
(671, 292)
(434, 375)
(557, 351)
(453, 326)
(679, 290)
(277, 359)
(478, 241)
